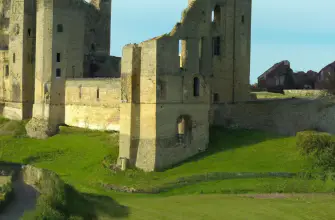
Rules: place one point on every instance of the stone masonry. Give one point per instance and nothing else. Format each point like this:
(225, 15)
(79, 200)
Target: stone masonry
(158, 95)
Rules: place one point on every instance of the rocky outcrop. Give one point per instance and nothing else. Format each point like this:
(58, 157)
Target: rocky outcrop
(304, 80)
(326, 77)
(40, 129)
(278, 77)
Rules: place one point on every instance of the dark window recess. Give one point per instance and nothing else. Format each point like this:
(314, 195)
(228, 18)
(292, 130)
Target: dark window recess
(58, 57)
(196, 87)
(58, 72)
(80, 92)
(60, 28)
(73, 71)
(13, 57)
(216, 97)
(216, 14)
(7, 70)
(92, 47)
(98, 94)
(242, 19)
(217, 46)
(29, 32)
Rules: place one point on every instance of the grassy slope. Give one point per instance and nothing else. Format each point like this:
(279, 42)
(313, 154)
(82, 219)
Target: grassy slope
(76, 155)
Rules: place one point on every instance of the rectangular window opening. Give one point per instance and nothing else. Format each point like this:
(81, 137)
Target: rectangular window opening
(242, 19)
(217, 46)
(58, 57)
(58, 72)
(216, 98)
(59, 28)
(7, 71)
(216, 14)
(13, 57)
(181, 54)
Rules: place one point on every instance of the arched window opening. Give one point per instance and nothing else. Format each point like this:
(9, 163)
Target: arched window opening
(184, 129)
(196, 87)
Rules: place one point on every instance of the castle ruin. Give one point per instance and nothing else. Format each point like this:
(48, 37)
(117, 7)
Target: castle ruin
(55, 68)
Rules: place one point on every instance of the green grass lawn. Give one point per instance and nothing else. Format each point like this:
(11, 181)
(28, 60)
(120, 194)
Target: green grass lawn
(77, 156)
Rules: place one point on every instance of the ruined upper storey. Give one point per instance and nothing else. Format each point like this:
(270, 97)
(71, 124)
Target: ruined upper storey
(4, 23)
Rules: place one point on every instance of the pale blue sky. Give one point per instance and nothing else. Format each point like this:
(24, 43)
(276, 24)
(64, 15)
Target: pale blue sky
(301, 31)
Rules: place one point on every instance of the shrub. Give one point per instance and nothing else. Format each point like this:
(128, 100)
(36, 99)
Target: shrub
(326, 158)
(319, 145)
(313, 141)
(43, 211)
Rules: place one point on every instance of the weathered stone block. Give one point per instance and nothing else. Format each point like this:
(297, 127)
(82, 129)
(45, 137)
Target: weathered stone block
(40, 129)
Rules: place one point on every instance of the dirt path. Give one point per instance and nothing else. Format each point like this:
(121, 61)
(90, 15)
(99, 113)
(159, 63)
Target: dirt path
(24, 200)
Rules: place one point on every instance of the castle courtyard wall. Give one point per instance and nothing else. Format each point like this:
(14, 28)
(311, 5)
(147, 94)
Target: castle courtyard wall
(93, 103)
(285, 117)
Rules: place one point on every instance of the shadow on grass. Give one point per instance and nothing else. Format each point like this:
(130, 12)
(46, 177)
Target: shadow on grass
(105, 206)
(223, 139)
(43, 156)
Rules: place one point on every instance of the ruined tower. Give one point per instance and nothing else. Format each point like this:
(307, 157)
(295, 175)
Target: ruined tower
(60, 27)
(19, 82)
(170, 82)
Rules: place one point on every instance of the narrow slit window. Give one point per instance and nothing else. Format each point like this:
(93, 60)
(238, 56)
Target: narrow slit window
(58, 72)
(80, 92)
(29, 32)
(196, 87)
(181, 53)
(98, 94)
(7, 70)
(217, 46)
(13, 57)
(73, 71)
(242, 19)
(58, 57)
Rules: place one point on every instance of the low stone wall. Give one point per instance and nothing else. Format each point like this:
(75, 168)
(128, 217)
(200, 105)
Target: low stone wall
(305, 92)
(93, 103)
(281, 116)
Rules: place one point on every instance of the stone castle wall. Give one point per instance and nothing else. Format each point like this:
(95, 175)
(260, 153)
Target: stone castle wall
(280, 116)
(93, 103)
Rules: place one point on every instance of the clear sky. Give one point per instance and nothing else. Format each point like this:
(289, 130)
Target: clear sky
(301, 31)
